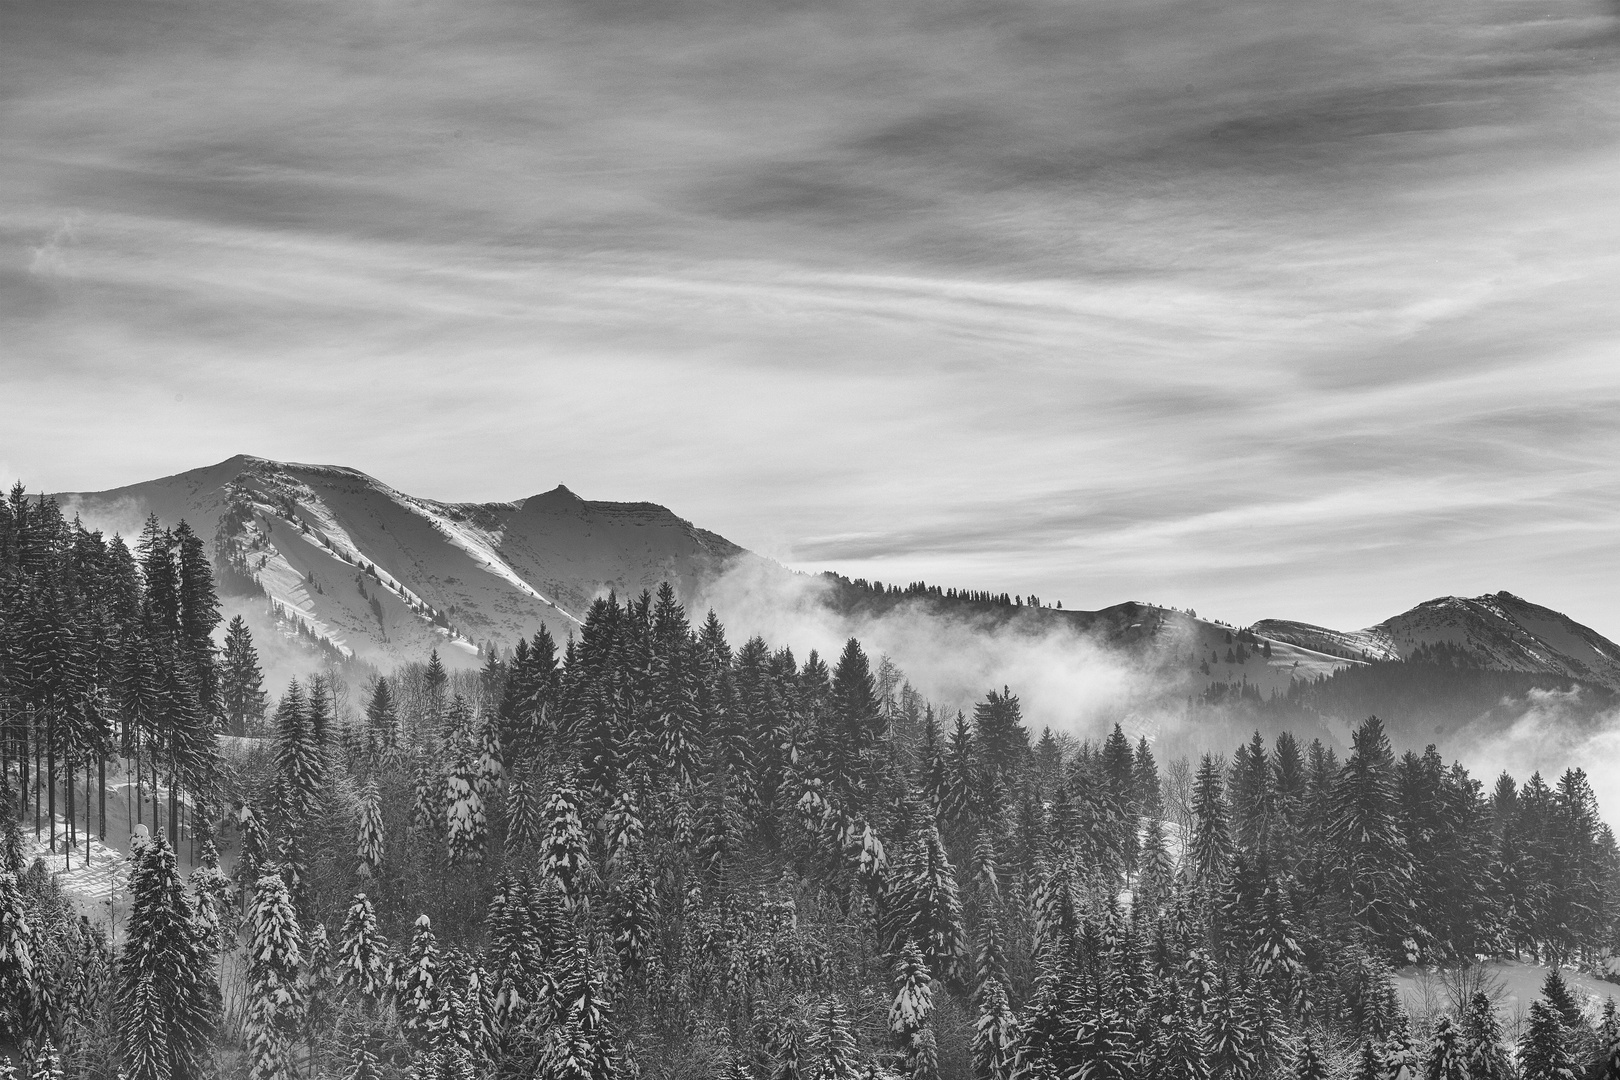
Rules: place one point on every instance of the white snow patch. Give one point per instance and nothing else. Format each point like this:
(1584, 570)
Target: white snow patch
(91, 879)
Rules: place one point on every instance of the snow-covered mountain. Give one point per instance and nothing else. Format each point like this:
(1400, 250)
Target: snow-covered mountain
(1496, 632)
(384, 576)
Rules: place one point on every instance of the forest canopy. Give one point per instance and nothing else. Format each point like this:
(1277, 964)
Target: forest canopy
(648, 850)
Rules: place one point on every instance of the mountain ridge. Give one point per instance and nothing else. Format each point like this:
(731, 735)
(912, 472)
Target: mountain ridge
(385, 575)
(1495, 631)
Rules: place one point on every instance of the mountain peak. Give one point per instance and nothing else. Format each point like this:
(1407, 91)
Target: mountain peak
(561, 494)
(385, 576)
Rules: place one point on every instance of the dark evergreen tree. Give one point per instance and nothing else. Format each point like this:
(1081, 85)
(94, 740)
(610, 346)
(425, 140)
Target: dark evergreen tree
(1211, 850)
(1482, 1041)
(168, 1000)
(1448, 1059)
(1542, 1055)
(999, 728)
(242, 696)
(1369, 864)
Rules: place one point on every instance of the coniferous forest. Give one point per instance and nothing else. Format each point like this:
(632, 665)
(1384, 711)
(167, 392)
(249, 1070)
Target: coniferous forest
(653, 851)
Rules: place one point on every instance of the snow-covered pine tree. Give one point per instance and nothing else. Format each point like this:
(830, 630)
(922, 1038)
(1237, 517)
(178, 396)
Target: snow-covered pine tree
(1000, 733)
(362, 951)
(168, 1000)
(1178, 1047)
(1155, 869)
(242, 695)
(992, 960)
(420, 996)
(633, 910)
(1370, 1062)
(564, 847)
(1555, 992)
(457, 730)
(1542, 1054)
(369, 841)
(319, 977)
(427, 800)
(275, 999)
(47, 1063)
(929, 910)
(1400, 1057)
(1232, 1041)
(299, 757)
(255, 854)
(466, 827)
(913, 996)
(363, 1065)
(1211, 850)
(1308, 1063)
(1368, 857)
(382, 721)
(211, 893)
(1276, 956)
(142, 1044)
(832, 1042)
(433, 680)
(582, 1047)
(488, 769)
(1607, 1066)
(961, 779)
(1482, 1042)
(19, 987)
(931, 779)
(995, 1037)
(522, 817)
(1448, 1058)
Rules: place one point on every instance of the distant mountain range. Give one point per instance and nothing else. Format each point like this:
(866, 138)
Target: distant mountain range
(1499, 631)
(383, 576)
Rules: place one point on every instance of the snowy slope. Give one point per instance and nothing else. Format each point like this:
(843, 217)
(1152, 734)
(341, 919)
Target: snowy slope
(385, 576)
(1369, 645)
(1498, 631)
(1192, 644)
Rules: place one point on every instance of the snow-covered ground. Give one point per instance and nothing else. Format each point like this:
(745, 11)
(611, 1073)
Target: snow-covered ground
(94, 876)
(1519, 984)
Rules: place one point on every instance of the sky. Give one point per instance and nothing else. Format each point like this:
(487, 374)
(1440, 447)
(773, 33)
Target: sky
(1268, 308)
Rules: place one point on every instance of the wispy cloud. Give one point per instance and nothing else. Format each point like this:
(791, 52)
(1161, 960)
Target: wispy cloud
(1276, 307)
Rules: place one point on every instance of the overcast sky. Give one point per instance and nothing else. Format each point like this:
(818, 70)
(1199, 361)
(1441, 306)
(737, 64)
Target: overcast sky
(1272, 308)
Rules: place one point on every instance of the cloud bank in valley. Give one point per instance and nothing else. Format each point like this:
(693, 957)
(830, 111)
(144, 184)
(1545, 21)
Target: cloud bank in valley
(1064, 678)
(1555, 730)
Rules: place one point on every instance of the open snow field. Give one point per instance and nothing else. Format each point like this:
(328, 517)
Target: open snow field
(1514, 984)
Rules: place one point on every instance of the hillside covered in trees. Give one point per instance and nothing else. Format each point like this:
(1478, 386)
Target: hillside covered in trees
(651, 851)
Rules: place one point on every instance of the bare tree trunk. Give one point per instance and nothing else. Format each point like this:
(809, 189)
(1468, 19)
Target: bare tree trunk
(71, 839)
(37, 792)
(50, 772)
(174, 806)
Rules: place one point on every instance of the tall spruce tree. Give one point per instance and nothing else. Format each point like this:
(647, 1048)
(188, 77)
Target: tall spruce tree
(168, 999)
(242, 696)
(275, 997)
(1542, 1053)
(1211, 850)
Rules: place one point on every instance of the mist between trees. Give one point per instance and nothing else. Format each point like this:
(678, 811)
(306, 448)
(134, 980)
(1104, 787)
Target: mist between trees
(652, 852)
